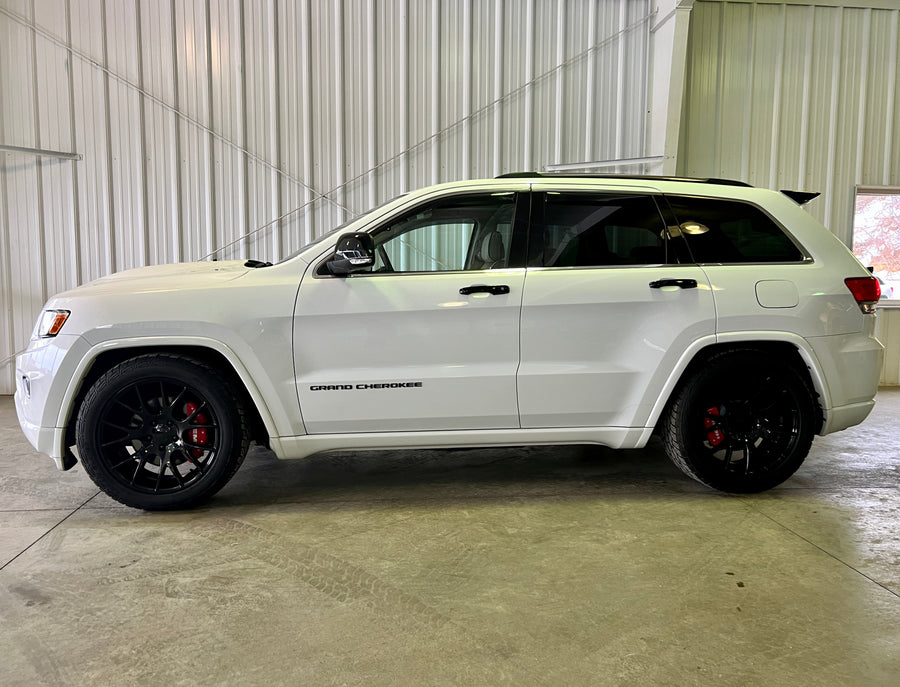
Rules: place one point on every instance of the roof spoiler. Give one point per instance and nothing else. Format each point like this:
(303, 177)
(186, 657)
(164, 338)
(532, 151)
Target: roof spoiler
(801, 197)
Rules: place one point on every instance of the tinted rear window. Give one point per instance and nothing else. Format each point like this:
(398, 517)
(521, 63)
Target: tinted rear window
(737, 232)
(587, 230)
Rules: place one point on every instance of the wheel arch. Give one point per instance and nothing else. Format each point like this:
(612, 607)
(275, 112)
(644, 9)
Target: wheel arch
(792, 350)
(104, 357)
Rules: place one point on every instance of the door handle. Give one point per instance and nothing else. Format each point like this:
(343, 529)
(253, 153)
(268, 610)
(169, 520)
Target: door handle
(680, 283)
(498, 290)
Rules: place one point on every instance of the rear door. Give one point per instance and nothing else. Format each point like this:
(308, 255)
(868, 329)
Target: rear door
(611, 301)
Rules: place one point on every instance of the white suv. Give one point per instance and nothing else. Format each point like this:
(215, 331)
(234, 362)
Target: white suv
(522, 310)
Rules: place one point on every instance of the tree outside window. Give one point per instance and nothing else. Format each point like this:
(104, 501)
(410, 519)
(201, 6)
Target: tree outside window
(876, 236)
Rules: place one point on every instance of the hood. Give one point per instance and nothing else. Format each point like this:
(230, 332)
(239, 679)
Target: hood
(175, 277)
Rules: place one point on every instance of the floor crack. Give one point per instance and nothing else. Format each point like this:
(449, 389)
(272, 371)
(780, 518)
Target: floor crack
(827, 553)
(32, 544)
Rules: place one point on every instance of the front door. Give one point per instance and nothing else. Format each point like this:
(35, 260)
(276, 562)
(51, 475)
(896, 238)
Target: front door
(426, 340)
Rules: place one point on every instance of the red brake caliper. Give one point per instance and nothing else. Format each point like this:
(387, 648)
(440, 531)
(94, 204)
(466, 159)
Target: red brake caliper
(198, 436)
(716, 436)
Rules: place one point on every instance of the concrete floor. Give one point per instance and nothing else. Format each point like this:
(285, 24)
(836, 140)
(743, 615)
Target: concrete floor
(539, 566)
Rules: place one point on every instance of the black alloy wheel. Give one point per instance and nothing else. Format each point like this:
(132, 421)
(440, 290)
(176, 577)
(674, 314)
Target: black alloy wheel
(161, 432)
(743, 423)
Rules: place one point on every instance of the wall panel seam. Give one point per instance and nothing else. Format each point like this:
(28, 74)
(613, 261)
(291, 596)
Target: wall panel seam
(39, 165)
(111, 75)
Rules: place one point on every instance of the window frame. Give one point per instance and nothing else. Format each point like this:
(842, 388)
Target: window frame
(519, 227)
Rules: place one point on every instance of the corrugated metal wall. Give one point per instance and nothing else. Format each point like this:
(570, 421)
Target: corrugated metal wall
(203, 121)
(793, 96)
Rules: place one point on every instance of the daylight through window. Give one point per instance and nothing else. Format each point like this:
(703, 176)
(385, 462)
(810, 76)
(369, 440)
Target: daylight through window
(876, 236)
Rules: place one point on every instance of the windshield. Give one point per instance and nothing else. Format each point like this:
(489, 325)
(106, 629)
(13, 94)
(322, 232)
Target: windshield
(320, 239)
(340, 228)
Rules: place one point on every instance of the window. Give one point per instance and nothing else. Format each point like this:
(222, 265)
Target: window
(430, 248)
(731, 232)
(581, 230)
(457, 233)
(876, 236)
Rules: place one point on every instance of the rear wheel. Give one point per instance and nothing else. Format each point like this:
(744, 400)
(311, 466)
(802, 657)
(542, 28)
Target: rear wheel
(743, 423)
(161, 432)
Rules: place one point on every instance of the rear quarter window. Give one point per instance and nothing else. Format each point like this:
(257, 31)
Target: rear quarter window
(731, 231)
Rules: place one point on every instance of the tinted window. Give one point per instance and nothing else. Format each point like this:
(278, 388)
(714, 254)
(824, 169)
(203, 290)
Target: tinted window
(737, 232)
(586, 230)
(457, 233)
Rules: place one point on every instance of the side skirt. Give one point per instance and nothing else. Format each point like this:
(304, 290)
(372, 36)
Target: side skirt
(613, 437)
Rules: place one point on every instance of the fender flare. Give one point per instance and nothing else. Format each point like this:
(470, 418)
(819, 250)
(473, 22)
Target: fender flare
(807, 355)
(157, 342)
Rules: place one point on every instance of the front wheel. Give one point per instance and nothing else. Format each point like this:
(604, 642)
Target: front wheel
(743, 423)
(161, 432)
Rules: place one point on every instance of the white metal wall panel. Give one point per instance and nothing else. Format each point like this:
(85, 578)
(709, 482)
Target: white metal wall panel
(227, 129)
(162, 180)
(798, 96)
(23, 188)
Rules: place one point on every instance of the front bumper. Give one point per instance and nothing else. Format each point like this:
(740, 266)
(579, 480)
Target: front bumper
(44, 373)
(45, 439)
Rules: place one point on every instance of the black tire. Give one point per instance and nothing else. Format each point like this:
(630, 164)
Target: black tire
(744, 422)
(161, 432)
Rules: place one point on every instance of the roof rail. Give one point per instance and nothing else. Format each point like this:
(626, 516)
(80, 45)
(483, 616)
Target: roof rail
(564, 175)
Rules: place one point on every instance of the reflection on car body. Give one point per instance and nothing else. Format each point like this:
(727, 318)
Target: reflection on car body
(535, 309)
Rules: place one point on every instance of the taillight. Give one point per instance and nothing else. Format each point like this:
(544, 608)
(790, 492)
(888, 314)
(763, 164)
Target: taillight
(866, 291)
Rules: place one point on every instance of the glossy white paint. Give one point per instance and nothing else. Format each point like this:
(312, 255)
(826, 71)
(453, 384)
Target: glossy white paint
(777, 293)
(409, 328)
(583, 354)
(851, 365)
(245, 315)
(597, 344)
(612, 437)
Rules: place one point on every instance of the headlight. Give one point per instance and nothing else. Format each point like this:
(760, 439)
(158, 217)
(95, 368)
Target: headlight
(51, 322)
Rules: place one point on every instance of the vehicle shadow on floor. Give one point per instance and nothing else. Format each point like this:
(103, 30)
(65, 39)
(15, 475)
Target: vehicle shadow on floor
(418, 476)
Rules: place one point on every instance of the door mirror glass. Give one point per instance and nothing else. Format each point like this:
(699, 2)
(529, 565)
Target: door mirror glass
(354, 252)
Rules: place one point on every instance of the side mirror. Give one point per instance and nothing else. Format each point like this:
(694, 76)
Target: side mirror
(354, 252)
